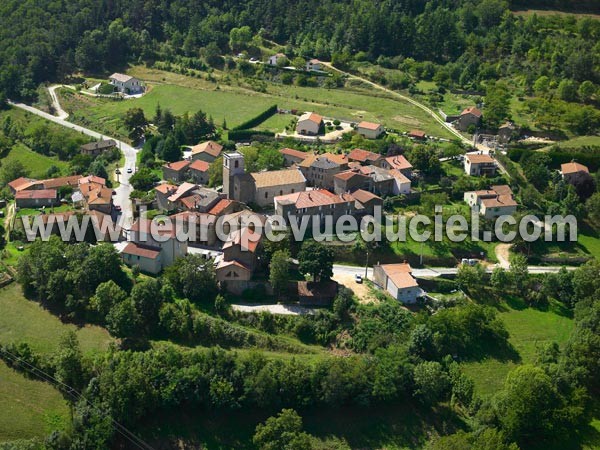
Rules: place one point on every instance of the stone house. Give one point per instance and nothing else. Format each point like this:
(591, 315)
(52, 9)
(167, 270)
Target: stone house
(37, 198)
(292, 156)
(94, 149)
(469, 116)
(176, 171)
(126, 84)
(398, 281)
(495, 202)
(478, 164)
(310, 124)
(370, 130)
(207, 151)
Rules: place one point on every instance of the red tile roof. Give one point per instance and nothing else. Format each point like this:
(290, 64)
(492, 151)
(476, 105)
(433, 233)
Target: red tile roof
(221, 206)
(573, 167)
(38, 193)
(417, 134)
(210, 147)
(53, 183)
(143, 251)
(295, 153)
(400, 274)
(312, 117)
(472, 110)
(200, 166)
(476, 158)
(181, 191)
(364, 196)
(177, 165)
(245, 238)
(317, 197)
(358, 154)
(22, 183)
(166, 188)
(369, 125)
(398, 162)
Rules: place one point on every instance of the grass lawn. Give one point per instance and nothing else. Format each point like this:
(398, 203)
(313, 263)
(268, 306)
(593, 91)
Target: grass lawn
(576, 142)
(529, 329)
(22, 320)
(36, 163)
(236, 103)
(30, 408)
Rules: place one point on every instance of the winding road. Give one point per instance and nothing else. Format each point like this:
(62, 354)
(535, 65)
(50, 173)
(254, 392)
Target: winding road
(124, 190)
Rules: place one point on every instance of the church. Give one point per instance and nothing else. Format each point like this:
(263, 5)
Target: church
(259, 188)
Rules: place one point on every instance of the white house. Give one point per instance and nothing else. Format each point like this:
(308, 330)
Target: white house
(495, 202)
(313, 64)
(370, 130)
(309, 123)
(146, 257)
(401, 182)
(477, 164)
(125, 83)
(397, 280)
(275, 58)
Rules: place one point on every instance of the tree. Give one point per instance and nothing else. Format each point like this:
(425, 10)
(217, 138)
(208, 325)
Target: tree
(107, 295)
(316, 259)
(499, 278)
(282, 432)
(488, 439)
(497, 104)
(68, 361)
(528, 406)
(518, 271)
(587, 90)
(593, 207)
(194, 278)
(279, 271)
(432, 383)
(143, 180)
(469, 277)
(567, 90)
(215, 172)
(135, 121)
(11, 170)
(122, 320)
(147, 298)
(170, 150)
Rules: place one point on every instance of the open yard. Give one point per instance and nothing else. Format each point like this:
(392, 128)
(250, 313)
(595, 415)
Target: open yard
(36, 163)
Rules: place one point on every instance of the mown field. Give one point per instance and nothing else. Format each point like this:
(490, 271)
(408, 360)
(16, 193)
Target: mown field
(235, 103)
(37, 164)
(32, 408)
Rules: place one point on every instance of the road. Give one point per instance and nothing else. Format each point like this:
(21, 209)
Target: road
(435, 271)
(124, 190)
(410, 100)
(291, 310)
(60, 113)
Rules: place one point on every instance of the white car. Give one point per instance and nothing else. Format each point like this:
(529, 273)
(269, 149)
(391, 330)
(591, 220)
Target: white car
(358, 278)
(130, 170)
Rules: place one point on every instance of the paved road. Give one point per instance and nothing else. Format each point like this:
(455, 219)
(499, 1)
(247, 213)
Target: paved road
(60, 113)
(410, 100)
(291, 310)
(124, 189)
(435, 271)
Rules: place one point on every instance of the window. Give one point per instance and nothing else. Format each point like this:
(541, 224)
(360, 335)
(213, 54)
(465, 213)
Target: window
(281, 192)
(236, 164)
(293, 191)
(266, 195)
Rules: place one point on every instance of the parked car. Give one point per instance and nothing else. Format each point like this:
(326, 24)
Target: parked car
(130, 170)
(358, 278)
(118, 208)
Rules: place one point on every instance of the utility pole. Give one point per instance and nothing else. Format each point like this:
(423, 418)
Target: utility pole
(367, 267)
(421, 256)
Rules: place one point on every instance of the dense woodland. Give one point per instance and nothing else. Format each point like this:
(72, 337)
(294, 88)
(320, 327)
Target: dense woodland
(474, 41)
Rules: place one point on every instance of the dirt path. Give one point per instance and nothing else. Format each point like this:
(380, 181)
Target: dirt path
(503, 255)
(361, 291)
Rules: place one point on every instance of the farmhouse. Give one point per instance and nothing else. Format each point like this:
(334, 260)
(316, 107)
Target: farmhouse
(573, 171)
(176, 171)
(167, 244)
(401, 182)
(398, 162)
(310, 124)
(469, 116)
(506, 132)
(477, 164)
(260, 187)
(319, 170)
(97, 148)
(36, 198)
(320, 293)
(370, 130)
(397, 280)
(350, 181)
(495, 202)
(22, 184)
(382, 181)
(273, 60)
(240, 260)
(198, 171)
(366, 201)
(316, 203)
(365, 157)
(126, 84)
(313, 65)
(292, 156)
(207, 151)
(417, 135)
(146, 257)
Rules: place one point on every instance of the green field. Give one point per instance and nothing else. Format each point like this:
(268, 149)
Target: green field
(529, 329)
(22, 320)
(30, 408)
(236, 102)
(36, 163)
(576, 142)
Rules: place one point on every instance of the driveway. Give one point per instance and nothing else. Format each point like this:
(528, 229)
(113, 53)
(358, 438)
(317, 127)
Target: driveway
(124, 190)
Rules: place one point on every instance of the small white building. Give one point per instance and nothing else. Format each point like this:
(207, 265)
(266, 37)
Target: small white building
(146, 257)
(313, 65)
(309, 123)
(370, 130)
(401, 182)
(273, 60)
(126, 83)
(397, 280)
(477, 165)
(495, 202)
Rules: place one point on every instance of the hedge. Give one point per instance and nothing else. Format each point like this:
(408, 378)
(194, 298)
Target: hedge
(255, 121)
(241, 135)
